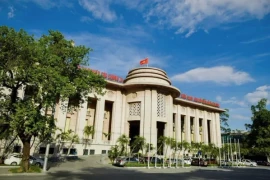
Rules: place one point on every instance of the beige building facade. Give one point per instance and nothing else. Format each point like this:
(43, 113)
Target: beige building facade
(143, 104)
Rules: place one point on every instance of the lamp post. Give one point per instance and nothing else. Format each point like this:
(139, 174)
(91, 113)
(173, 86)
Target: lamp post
(148, 162)
(46, 157)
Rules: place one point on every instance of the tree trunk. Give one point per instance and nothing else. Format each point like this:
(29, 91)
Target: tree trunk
(69, 149)
(26, 140)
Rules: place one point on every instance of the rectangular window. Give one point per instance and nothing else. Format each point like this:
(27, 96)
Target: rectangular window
(51, 150)
(85, 152)
(17, 149)
(67, 124)
(92, 151)
(42, 150)
(103, 152)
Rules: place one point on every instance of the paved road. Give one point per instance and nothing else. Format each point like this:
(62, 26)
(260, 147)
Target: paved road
(114, 173)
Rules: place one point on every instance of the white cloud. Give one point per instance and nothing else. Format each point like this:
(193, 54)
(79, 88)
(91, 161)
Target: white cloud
(11, 12)
(262, 55)
(187, 16)
(100, 9)
(86, 19)
(232, 100)
(256, 40)
(219, 74)
(48, 4)
(258, 94)
(116, 54)
(239, 117)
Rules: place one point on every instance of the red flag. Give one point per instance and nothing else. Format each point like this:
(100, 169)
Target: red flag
(144, 61)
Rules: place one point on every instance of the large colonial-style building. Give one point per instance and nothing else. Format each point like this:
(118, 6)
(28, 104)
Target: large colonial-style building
(144, 103)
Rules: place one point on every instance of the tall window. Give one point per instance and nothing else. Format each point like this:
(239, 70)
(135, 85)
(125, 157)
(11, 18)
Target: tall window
(161, 108)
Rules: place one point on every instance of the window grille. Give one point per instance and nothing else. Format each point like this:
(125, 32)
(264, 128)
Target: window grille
(161, 108)
(135, 109)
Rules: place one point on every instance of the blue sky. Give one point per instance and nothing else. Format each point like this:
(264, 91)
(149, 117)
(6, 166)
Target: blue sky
(212, 49)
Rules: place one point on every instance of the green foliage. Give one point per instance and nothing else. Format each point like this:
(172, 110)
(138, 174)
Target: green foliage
(47, 69)
(88, 131)
(259, 136)
(123, 142)
(138, 144)
(113, 153)
(224, 117)
(32, 169)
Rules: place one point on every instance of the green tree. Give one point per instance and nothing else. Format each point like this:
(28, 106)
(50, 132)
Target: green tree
(88, 132)
(72, 138)
(46, 68)
(161, 144)
(113, 153)
(224, 117)
(62, 137)
(138, 144)
(123, 141)
(259, 136)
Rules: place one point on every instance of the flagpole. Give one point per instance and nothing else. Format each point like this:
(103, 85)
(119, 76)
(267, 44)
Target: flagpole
(231, 149)
(239, 150)
(228, 148)
(235, 150)
(224, 154)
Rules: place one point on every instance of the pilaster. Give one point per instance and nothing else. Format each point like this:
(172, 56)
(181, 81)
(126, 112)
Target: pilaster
(147, 115)
(178, 123)
(187, 124)
(205, 129)
(81, 122)
(61, 113)
(213, 129)
(99, 119)
(218, 129)
(116, 117)
(153, 118)
(196, 126)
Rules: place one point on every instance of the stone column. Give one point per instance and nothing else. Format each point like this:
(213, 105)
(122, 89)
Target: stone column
(187, 126)
(153, 118)
(196, 127)
(169, 115)
(81, 122)
(218, 129)
(116, 117)
(99, 119)
(61, 114)
(146, 119)
(205, 129)
(213, 129)
(123, 113)
(178, 123)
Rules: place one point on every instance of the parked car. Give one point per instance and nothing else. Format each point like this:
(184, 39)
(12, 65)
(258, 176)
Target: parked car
(263, 163)
(199, 162)
(187, 161)
(248, 162)
(13, 159)
(123, 161)
(36, 161)
(224, 162)
(152, 160)
(117, 159)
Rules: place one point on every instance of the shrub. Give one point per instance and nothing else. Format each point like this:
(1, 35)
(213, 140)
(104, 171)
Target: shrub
(32, 169)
